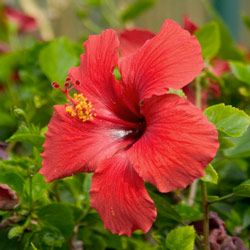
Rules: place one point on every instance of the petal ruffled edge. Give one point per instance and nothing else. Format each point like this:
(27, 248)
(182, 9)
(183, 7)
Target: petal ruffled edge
(177, 145)
(132, 39)
(171, 59)
(119, 196)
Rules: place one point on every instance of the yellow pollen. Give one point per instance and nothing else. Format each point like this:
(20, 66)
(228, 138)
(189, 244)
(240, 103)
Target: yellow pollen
(81, 108)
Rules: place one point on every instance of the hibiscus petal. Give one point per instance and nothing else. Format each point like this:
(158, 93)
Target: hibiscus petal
(171, 59)
(131, 40)
(73, 146)
(94, 76)
(119, 196)
(177, 144)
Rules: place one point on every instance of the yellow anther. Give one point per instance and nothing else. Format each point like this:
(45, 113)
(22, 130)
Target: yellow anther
(80, 108)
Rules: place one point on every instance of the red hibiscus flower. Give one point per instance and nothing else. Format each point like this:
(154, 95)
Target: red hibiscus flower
(23, 22)
(130, 131)
(189, 25)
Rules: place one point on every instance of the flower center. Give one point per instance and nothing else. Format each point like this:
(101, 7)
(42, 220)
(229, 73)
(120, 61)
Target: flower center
(81, 108)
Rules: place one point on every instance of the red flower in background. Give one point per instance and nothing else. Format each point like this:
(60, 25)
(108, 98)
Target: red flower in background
(189, 25)
(24, 22)
(218, 67)
(130, 131)
(4, 48)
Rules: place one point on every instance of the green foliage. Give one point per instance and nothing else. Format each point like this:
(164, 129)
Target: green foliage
(246, 20)
(243, 189)
(136, 8)
(58, 215)
(210, 175)
(181, 238)
(209, 38)
(166, 213)
(241, 146)
(30, 134)
(16, 231)
(241, 71)
(227, 119)
(56, 58)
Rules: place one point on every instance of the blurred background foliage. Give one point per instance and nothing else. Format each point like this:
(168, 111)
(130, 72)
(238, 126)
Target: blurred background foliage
(36, 51)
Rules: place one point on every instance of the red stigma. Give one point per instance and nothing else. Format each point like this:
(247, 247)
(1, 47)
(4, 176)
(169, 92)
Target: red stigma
(55, 85)
(67, 85)
(77, 83)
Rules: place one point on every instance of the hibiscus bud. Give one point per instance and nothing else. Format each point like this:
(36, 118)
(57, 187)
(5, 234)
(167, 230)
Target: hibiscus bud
(8, 197)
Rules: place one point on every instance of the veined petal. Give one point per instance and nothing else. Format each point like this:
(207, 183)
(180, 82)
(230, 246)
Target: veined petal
(171, 59)
(94, 76)
(73, 146)
(119, 196)
(177, 145)
(131, 40)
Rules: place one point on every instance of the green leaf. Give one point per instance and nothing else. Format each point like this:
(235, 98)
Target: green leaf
(14, 180)
(241, 71)
(211, 175)
(181, 238)
(8, 63)
(20, 113)
(33, 246)
(178, 92)
(209, 38)
(56, 59)
(242, 146)
(164, 208)
(135, 9)
(227, 119)
(30, 134)
(246, 20)
(243, 189)
(59, 216)
(51, 236)
(6, 243)
(229, 49)
(15, 231)
(39, 187)
(188, 213)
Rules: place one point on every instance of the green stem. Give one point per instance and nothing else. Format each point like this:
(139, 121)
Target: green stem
(30, 193)
(198, 103)
(228, 196)
(205, 206)
(198, 90)
(30, 176)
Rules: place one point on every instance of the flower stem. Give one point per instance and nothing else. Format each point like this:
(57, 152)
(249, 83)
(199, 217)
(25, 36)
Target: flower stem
(30, 193)
(198, 103)
(192, 193)
(205, 206)
(225, 197)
